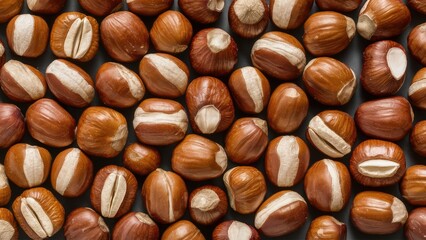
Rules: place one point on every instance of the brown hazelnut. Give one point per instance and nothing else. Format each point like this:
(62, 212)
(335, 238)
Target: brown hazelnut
(5, 190)
(12, 126)
(415, 227)
(248, 19)
(113, 191)
(141, 159)
(413, 185)
(136, 225)
(46, 6)
(234, 229)
(2, 54)
(9, 9)
(418, 138)
(418, 5)
(182, 230)
(149, 7)
(291, 14)
(282, 213)
(416, 43)
(9, 229)
(337, 5)
(416, 91)
(207, 204)
(202, 11)
(326, 227)
(101, 7)
(85, 224)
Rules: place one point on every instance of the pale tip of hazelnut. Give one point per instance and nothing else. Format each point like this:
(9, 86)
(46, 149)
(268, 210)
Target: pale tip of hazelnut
(144, 218)
(216, 5)
(205, 200)
(366, 26)
(221, 158)
(208, 119)
(218, 40)
(345, 94)
(239, 230)
(397, 62)
(260, 123)
(249, 11)
(309, 64)
(102, 225)
(399, 211)
(120, 138)
(350, 27)
(378, 168)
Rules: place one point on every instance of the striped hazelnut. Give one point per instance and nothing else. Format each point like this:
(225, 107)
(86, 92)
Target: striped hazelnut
(291, 14)
(413, 185)
(415, 227)
(5, 190)
(233, 229)
(417, 89)
(8, 226)
(248, 19)
(141, 159)
(326, 227)
(207, 204)
(418, 138)
(202, 11)
(46, 6)
(100, 7)
(337, 5)
(136, 225)
(10, 8)
(149, 7)
(12, 126)
(182, 229)
(418, 5)
(85, 224)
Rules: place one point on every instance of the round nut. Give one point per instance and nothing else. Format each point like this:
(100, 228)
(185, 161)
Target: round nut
(416, 91)
(418, 5)
(5, 190)
(202, 11)
(46, 6)
(136, 225)
(418, 138)
(12, 126)
(326, 227)
(337, 5)
(182, 229)
(234, 229)
(207, 204)
(413, 185)
(248, 19)
(415, 227)
(10, 8)
(141, 159)
(416, 43)
(8, 225)
(100, 7)
(291, 14)
(85, 224)
(149, 7)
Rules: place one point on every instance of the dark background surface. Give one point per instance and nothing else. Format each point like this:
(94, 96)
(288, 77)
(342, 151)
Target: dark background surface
(351, 56)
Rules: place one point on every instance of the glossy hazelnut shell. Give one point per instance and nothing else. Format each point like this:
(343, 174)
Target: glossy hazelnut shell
(136, 225)
(141, 159)
(85, 224)
(100, 7)
(12, 128)
(413, 185)
(415, 227)
(7, 219)
(149, 7)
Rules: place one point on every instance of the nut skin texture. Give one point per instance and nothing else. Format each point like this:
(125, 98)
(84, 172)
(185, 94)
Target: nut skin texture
(102, 132)
(8, 225)
(281, 214)
(326, 227)
(12, 128)
(9, 9)
(107, 197)
(377, 163)
(72, 173)
(85, 224)
(418, 138)
(32, 204)
(418, 5)
(45, 6)
(268, 56)
(136, 225)
(197, 158)
(377, 213)
(182, 230)
(2, 54)
(328, 33)
(141, 159)
(170, 187)
(287, 108)
(207, 204)
(338, 6)
(416, 43)
(289, 15)
(124, 36)
(248, 19)
(413, 185)
(100, 7)
(416, 224)
(328, 185)
(230, 228)
(416, 91)
(202, 11)
(5, 190)
(209, 105)
(387, 118)
(149, 7)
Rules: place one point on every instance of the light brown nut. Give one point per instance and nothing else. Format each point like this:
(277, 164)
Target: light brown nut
(337, 5)
(101, 7)
(413, 185)
(418, 5)
(141, 159)
(202, 11)
(5, 190)
(207, 204)
(10, 8)
(46, 6)
(182, 230)
(291, 14)
(326, 227)
(248, 18)
(85, 224)
(149, 7)
(12, 126)
(416, 43)
(415, 227)
(417, 89)
(418, 138)
(234, 229)
(9, 229)
(136, 225)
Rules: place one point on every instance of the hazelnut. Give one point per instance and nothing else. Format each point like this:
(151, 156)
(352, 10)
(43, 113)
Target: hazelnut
(287, 108)
(9, 229)
(248, 19)
(328, 33)
(9, 9)
(69, 83)
(209, 105)
(380, 19)
(27, 35)
(171, 32)
(5, 190)
(202, 11)
(337, 5)
(207, 204)
(50, 124)
(281, 214)
(75, 35)
(416, 43)
(388, 118)
(250, 89)
(246, 140)
(291, 14)
(416, 91)
(72, 173)
(141, 159)
(149, 7)
(286, 161)
(181, 230)
(118, 86)
(85, 224)
(21, 82)
(113, 191)
(418, 138)
(2, 54)
(413, 185)
(160, 121)
(384, 67)
(26, 165)
(164, 75)
(328, 185)
(124, 36)
(418, 5)
(197, 158)
(246, 188)
(377, 163)
(415, 227)
(46, 6)
(169, 187)
(326, 227)
(332, 132)
(377, 213)
(213, 52)
(38, 213)
(136, 225)
(101, 7)
(102, 132)
(12, 126)
(234, 229)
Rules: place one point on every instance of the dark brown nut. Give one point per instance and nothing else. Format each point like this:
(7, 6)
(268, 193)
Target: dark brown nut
(38, 213)
(286, 161)
(182, 230)
(246, 188)
(388, 118)
(102, 132)
(149, 7)
(113, 191)
(378, 213)
(380, 19)
(75, 35)
(164, 75)
(291, 14)
(209, 105)
(328, 33)
(101, 7)
(12, 126)
(207, 204)
(413, 185)
(141, 159)
(5, 190)
(248, 19)
(415, 227)
(377, 163)
(124, 36)
(202, 11)
(10, 8)
(384, 67)
(69, 83)
(250, 89)
(118, 86)
(418, 138)
(197, 158)
(328, 185)
(160, 121)
(27, 35)
(9, 229)
(169, 187)
(416, 43)
(46, 6)
(280, 214)
(416, 92)
(247, 140)
(287, 108)
(326, 227)
(279, 55)
(418, 5)
(136, 225)
(337, 5)
(234, 229)
(72, 173)
(85, 224)
(2, 54)
(332, 132)
(26, 165)
(21, 82)
(329, 81)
